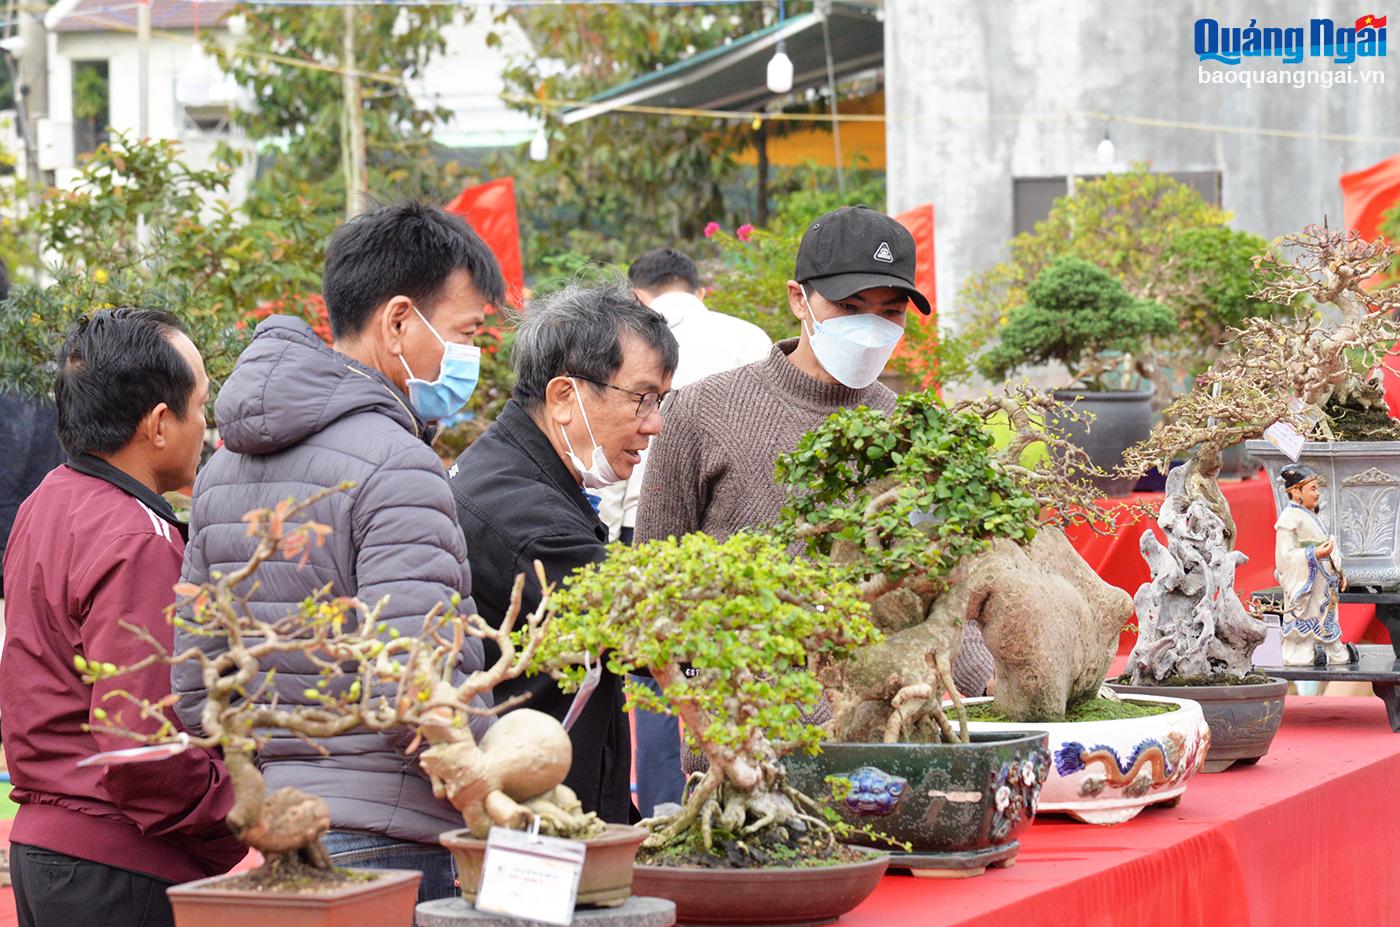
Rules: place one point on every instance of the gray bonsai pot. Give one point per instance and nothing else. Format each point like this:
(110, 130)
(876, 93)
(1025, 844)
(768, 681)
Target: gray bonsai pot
(1243, 719)
(1360, 502)
(1122, 418)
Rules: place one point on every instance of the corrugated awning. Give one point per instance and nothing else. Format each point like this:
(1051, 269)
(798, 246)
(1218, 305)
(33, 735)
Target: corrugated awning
(734, 76)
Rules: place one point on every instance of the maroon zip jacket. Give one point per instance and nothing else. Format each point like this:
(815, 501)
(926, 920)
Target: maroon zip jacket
(90, 548)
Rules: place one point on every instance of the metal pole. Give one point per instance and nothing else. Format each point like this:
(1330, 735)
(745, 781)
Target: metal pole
(831, 91)
(143, 39)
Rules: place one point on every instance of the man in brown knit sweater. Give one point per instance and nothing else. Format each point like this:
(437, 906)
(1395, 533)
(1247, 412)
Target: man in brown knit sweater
(711, 469)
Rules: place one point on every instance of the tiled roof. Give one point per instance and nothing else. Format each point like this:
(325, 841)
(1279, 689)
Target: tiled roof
(120, 15)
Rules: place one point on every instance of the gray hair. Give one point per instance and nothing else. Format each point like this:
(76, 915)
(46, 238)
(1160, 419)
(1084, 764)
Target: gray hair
(578, 331)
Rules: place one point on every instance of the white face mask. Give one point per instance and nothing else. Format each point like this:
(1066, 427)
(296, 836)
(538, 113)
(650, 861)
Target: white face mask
(852, 348)
(600, 474)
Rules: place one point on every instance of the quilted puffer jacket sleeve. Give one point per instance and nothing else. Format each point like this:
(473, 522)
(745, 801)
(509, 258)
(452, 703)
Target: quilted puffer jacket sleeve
(410, 549)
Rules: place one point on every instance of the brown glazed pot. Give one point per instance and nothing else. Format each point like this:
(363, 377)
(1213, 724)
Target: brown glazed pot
(387, 901)
(606, 880)
(1243, 719)
(790, 896)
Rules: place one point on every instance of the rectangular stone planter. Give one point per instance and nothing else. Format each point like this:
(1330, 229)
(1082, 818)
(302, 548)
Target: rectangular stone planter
(1360, 502)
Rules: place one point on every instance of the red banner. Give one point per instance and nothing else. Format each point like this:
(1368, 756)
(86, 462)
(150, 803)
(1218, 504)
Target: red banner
(489, 209)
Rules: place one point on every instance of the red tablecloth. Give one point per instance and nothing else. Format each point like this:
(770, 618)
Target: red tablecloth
(1303, 838)
(1116, 557)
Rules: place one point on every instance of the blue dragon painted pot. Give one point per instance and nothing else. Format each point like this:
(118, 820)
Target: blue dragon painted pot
(958, 806)
(1106, 772)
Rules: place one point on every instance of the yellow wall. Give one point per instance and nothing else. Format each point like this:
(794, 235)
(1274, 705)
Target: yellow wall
(862, 143)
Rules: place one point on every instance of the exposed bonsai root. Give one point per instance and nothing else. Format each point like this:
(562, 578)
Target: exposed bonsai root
(297, 870)
(718, 818)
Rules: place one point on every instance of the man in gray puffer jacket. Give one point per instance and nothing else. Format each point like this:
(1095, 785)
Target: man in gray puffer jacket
(406, 288)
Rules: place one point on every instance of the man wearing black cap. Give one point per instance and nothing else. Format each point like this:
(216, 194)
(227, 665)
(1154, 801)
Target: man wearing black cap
(1309, 571)
(711, 468)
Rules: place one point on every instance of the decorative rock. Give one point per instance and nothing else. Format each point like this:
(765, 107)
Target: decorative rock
(1190, 622)
(636, 912)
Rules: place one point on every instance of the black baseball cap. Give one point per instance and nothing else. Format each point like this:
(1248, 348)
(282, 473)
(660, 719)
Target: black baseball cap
(855, 248)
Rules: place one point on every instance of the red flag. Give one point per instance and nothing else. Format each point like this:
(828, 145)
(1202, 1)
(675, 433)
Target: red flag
(919, 222)
(1366, 195)
(489, 209)
(1370, 21)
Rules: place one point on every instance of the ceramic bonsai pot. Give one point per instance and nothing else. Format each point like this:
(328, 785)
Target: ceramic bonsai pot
(1360, 502)
(960, 806)
(1122, 418)
(386, 900)
(1105, 772)
(607, 864)
(1243, 719)
(787, 896)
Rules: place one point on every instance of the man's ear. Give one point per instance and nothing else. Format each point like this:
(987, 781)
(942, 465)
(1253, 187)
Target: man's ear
(701, 293)
(155, 425)
(796, 305)
(559, 400)
(393, 322)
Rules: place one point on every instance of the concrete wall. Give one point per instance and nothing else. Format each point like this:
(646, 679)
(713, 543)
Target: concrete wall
(977, 94)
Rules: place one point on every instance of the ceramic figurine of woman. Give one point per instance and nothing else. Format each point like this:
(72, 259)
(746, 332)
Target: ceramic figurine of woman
(1309, 569)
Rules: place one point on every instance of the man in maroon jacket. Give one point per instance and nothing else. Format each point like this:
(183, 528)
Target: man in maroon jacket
(96, 545)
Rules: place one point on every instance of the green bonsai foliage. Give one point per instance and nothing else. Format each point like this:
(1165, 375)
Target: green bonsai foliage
(909, 493)
(745, 617)
(1079, 315)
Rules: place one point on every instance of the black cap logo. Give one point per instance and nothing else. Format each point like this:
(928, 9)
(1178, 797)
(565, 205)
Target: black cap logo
(884, 254)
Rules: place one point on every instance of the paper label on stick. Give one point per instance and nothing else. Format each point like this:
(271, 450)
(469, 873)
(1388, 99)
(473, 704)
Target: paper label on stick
(1286, 438)
(528, 876)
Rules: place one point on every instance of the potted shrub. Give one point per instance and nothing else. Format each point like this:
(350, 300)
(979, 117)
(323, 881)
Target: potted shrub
(940, 530)
(1194, 634)
(1080, 316)
(369, 681)
(725, 629)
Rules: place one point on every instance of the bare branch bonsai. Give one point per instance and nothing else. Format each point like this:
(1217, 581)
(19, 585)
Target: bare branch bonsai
(369, 679)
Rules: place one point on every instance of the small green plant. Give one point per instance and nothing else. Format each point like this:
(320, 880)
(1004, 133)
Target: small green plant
(1079, 315)
(909, 493)
(744, 618)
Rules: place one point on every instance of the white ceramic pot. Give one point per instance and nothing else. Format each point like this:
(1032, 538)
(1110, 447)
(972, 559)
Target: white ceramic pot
(1105, 772)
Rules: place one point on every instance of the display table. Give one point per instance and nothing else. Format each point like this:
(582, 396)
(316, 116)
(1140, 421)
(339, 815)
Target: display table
(1117, 559)
(1303, 838)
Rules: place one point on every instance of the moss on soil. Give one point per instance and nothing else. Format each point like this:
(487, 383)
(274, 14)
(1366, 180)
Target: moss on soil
(1215, 679)
(1090, 709)
(772, 849)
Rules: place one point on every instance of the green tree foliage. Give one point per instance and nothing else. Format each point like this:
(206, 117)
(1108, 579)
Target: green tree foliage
(142, 228)
(911, 493)
(1075, 313)
(1128, 224)
(288, 60)
(618, 184)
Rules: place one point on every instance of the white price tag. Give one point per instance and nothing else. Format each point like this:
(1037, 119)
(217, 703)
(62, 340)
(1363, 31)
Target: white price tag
(1286, 438)
(528, 876)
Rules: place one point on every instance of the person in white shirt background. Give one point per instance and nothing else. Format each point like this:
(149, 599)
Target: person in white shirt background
(710, 342)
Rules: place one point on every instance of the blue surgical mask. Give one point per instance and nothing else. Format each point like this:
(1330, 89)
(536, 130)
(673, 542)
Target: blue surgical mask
(455, 383)
(853, 348)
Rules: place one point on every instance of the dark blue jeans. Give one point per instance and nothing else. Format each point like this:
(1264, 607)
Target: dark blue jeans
(375, 851)
(658, 752)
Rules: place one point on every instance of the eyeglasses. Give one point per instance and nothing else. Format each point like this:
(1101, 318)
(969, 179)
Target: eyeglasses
(647, 403)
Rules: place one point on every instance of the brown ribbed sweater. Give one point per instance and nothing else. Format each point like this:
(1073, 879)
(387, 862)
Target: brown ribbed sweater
(711, 467)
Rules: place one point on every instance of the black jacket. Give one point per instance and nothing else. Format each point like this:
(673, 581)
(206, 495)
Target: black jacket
(518, 503)
(29, 449)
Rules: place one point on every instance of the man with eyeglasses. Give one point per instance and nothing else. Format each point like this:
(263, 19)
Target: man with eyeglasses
(593, 367)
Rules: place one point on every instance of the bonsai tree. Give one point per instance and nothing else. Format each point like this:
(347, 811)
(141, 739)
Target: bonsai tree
(725, 629)
(1282, 369)
(367, 680)
(937, 529)
(1290, 370)
(1080, 316)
